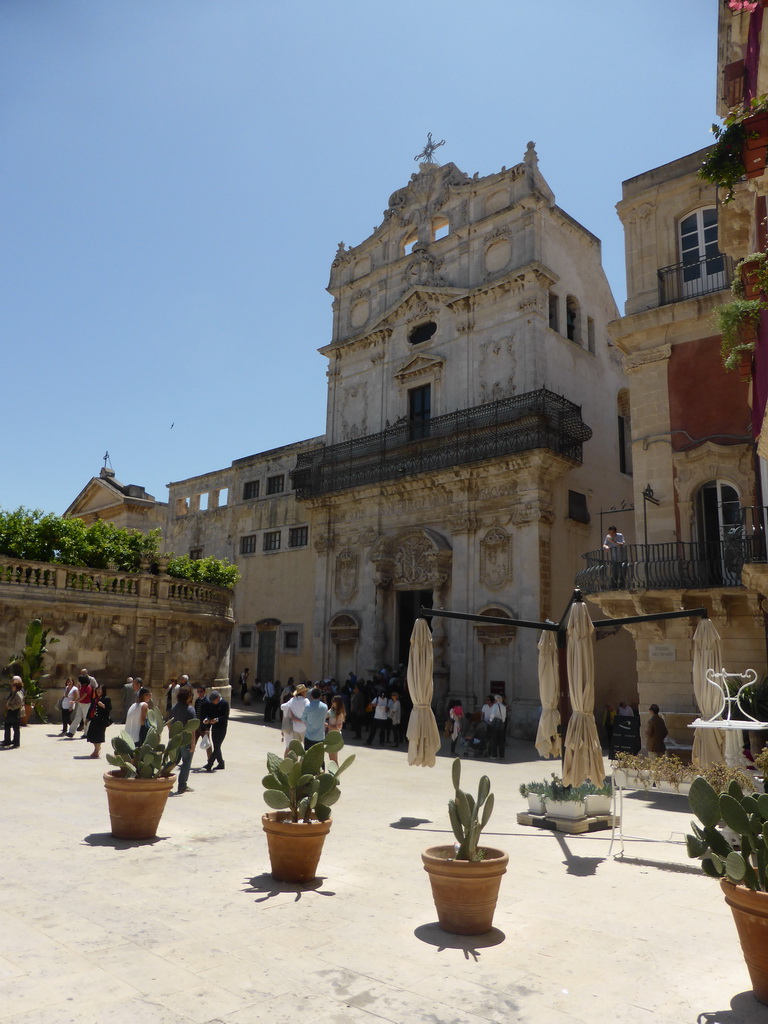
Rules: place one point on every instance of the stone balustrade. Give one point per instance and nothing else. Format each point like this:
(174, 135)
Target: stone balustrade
(118, 624)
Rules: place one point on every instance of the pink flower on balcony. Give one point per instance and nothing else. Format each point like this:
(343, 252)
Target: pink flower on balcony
(737, 6)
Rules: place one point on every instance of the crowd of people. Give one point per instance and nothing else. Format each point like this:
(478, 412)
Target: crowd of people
(379, 706)
(86, 708)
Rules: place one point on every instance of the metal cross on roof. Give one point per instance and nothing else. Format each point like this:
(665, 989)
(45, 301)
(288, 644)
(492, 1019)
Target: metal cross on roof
(426, 156)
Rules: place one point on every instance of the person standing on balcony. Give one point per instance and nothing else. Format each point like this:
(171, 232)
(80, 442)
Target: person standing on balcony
(614, 545)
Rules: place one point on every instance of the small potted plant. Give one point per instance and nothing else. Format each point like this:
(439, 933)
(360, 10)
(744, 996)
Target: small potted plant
(137, 791)
(29, 664)
(301, 789)
(750, 279)
(564, 801)
(597, 799)
(740, 147)
(465, 878)
(534, 792)
(743, 872)
(737, 323)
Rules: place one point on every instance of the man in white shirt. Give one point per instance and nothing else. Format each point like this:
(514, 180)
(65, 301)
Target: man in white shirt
(614, 545)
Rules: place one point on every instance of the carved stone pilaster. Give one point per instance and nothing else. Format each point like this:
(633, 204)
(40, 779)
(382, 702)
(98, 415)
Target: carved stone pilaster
(345, 575)
(495, 559)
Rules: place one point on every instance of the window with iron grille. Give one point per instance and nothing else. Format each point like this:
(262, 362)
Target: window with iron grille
(246, 638)
(195, 553)
(248, 544)
(298, 537)
(272, 541)
(291, 640)
(251, 489)
(276, 484)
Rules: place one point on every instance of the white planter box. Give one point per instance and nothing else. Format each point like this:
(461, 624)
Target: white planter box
(683, 788)
(566, 808)
(535, 803)
(598, 803)
(632, 780)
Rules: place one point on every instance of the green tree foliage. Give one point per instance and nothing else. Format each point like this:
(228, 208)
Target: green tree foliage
(218, 571)
(36, 536)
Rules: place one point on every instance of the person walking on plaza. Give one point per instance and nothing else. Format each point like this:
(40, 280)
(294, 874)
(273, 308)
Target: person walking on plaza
(655, 732)
(244, 684)
(456, 716)
(314, 716)
(357, 704)
(13, 706)
(395, 712)
(337, 714)
(182, 711)
(71, 693)
(293, 716)
(216, 712)
(83, 703)
(270, 701)
(380, 720)
(498, 728)
(136, 719)
(99, 717)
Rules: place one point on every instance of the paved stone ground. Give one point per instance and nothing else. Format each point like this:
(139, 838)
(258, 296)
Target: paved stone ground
(191, 927)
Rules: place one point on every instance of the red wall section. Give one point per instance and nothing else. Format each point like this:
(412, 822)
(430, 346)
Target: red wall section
(706, 401)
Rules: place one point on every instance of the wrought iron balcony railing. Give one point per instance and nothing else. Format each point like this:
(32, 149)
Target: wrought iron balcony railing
(538, 419)
(672, 566)
(690, 279)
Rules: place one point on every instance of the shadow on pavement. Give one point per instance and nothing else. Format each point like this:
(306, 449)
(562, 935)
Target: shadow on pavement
(433, 935)
(745, 1009)
(583, 867)
(107, 839)
(410, 822)
(662, 865)
(267, 885)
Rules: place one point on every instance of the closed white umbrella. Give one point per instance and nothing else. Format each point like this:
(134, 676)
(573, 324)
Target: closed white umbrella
(583, 755)
(708, 744)
(423, 734)
(548, 741)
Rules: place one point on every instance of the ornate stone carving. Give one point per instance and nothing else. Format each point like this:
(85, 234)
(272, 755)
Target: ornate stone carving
(467, 522)
(423, 267)
(346, 574)
(495, 559)
(367, 537)
(324, 542)
(533, 512)
(417, 559)
(653, 355)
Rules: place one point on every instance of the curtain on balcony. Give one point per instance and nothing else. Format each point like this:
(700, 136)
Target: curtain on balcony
(583, 755)
(708, 744)
(547, 736)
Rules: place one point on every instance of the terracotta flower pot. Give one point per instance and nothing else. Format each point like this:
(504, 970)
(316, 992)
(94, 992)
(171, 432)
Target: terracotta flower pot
(136, 805)
(294, 847)
(755, 144)
(465, 892)
(750, 914)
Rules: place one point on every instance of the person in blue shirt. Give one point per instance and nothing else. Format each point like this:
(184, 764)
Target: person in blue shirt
(314, 715)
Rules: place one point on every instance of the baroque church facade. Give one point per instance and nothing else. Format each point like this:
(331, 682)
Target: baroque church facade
(472, 432)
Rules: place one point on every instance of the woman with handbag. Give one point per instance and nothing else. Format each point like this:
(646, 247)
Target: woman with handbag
(99, 716)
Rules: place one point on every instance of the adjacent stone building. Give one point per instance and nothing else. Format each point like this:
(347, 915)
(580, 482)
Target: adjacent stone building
(692, 451)
(248, 513)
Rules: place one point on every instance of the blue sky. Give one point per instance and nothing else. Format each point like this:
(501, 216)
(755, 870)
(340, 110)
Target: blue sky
(177, 175)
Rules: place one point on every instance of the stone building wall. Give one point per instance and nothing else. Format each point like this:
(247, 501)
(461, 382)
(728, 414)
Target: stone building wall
(117, 624)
